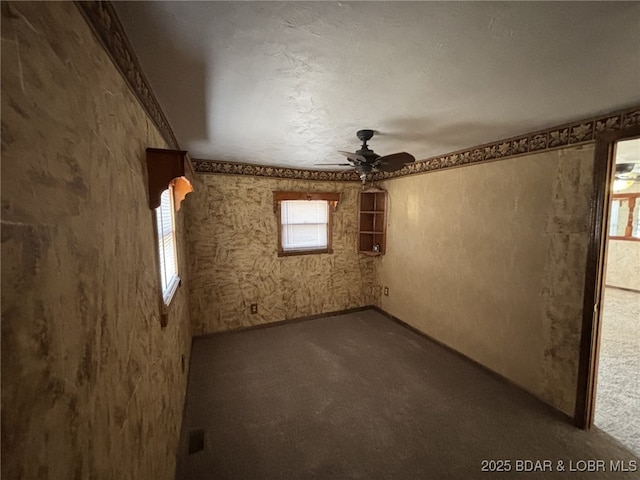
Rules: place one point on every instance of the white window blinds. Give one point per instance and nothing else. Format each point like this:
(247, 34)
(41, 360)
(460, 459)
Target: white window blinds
(304, 224)
(167, 245)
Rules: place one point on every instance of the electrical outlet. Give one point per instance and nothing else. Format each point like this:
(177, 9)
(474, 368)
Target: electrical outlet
(386, 291)
(254, 308)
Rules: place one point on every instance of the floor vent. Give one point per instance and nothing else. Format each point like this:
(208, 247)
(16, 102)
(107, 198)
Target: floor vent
(196, 441)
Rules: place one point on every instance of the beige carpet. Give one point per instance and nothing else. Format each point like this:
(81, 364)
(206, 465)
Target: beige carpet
(618, 395)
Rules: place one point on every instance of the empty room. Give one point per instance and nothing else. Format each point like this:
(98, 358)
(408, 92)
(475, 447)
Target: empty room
(320, 240)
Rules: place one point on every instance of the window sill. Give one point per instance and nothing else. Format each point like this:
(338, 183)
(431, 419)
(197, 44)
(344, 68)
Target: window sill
(167, 296)
(292, 253)
(628, 239)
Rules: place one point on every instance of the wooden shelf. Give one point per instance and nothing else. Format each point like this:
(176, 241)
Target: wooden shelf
(372, 222)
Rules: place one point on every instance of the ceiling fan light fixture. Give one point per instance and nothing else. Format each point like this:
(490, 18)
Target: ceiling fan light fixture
(620, 185)
(365, 161)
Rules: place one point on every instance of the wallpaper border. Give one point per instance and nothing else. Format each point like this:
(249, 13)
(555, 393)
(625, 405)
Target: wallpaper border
(566, 135)
(103, 20)
(215, 167)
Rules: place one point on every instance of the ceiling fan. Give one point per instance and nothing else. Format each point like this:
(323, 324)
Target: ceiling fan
(366, 161)
(627, 171)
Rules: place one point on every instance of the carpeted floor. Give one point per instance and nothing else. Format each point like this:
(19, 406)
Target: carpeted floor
(359, 396)
(617, 409)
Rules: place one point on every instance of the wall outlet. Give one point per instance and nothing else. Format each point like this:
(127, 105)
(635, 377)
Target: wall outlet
(386, 291)
(254, 308)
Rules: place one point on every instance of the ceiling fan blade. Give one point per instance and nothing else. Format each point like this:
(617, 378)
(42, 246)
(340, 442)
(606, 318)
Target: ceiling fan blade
(624, 168)
(353, 156)
(338, 164)
(394, 162)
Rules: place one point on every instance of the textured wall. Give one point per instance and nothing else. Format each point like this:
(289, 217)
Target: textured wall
(92, 387)
(490, 260)
(232, 236)
(623, 264)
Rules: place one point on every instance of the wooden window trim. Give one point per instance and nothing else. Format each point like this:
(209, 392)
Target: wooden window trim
(331, 198)
(167, 169)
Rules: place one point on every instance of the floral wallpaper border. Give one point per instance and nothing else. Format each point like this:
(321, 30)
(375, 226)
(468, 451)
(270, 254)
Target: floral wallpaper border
(215, 167)
(102, 18)
(569, 134)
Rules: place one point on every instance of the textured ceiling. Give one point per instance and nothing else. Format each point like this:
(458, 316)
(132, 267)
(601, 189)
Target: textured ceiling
(289, 83)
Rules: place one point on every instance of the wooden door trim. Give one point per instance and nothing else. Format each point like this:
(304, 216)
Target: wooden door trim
(596, 255)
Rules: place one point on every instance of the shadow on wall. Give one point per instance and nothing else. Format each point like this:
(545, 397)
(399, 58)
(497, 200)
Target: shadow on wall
(415, 132)
(176, 93)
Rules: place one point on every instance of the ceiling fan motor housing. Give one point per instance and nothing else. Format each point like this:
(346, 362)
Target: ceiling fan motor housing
(365, 135)
(365, 151)
(366, 161)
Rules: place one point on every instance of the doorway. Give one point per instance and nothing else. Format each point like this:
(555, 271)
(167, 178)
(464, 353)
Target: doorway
(602, 304)
(617, 393)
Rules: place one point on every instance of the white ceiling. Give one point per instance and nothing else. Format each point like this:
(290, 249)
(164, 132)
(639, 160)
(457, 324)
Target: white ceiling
(628, 151)
(289, 83)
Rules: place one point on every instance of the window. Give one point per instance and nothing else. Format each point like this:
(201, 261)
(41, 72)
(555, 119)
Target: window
(304, 222)
(615, 215)
(165, 223)
(624, 221)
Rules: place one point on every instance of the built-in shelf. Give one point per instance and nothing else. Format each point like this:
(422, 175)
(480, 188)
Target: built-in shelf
(372, 222)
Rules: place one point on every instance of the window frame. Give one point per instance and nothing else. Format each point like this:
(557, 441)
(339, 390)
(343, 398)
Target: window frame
(633, 213)
(169, 290)
(332, 199)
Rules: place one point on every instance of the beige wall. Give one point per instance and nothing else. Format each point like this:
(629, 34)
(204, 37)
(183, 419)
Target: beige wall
(490, 260)
(232, 237)
(92, 387)
(623, 264)
(623, 256)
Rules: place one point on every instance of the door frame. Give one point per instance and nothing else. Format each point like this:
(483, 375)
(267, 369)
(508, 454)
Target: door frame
(604, 160)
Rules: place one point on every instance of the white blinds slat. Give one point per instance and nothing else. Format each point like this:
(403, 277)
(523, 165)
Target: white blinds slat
(166, 241)
(304, 224)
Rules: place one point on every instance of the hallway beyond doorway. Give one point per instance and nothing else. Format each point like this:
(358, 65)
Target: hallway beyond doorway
(617, 409)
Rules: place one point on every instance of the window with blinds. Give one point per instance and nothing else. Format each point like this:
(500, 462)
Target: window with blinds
(304, 221)
(305, 225)
(165, 222)
(624, 220)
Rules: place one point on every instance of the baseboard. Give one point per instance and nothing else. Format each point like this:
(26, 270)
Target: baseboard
(493, 373)
(284, 322)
